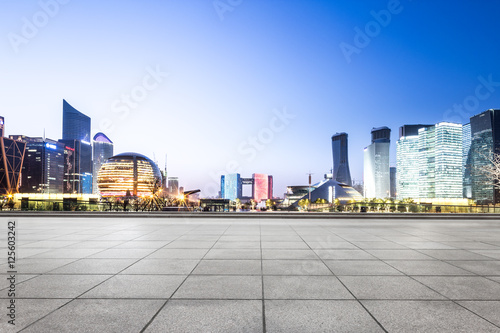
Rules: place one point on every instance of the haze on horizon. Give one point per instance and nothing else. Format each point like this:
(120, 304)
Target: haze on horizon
(247, 86)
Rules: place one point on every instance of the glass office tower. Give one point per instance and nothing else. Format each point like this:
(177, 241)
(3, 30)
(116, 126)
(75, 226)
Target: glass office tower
(341, 171)
(102, 150)
(232, 189)
(407, 167)
(376, 176)
(485, 141)
(429, 165)
(76, 135)
(407, 161)
(448, 177)
(76, 125)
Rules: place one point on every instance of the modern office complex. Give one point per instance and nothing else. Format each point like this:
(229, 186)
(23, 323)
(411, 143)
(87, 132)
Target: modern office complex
(102, 150)
(232, 186)
(43, 167)
(485, 141)
(429, 164)
(341, 171)
(11, 162)
(376, 176)
(76, 137)
(440, 161)
(128, 172)
(407, 158)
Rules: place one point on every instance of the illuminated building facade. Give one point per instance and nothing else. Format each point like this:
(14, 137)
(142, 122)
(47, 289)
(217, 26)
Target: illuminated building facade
(341, 171)
(76, 135)
(128, 172)
(440, 161)
(77, 178)
(485, 141)
(429, 161)
(232, 186)
(407, 171)
(328, 189)
(376, 174)
(262, 187)
(407, 167)
(43, 167)
(102, 150)
(11, 162)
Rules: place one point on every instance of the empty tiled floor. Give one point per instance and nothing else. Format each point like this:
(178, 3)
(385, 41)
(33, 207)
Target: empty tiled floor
(253, 275)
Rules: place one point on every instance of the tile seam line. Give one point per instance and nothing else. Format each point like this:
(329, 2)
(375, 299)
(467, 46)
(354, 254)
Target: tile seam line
(77, 297)
(342, 283)
(183, 281)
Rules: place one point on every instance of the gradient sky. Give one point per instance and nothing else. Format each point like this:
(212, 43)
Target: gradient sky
(232, 68)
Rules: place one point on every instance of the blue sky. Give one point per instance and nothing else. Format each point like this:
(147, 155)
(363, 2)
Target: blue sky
(253, 86)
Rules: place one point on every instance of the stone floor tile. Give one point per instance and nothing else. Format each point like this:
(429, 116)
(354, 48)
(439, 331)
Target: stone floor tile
(426, 316)
(209, 316)
(298, 316)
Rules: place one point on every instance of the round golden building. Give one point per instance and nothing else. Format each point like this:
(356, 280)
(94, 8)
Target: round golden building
(128, 172)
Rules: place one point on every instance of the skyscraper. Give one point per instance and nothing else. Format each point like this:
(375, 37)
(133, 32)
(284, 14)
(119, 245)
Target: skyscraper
(43, 167)
(429, 165)
(407, 158)
(11, 162)
(76, 125)
(377, 183)
(440, 161)
(231, 186)
(102, 150)
(76, 136)
(341, 171)
(262, 187)
(485, 141)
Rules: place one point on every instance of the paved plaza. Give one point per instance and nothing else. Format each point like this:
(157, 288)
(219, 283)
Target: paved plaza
(252, 275)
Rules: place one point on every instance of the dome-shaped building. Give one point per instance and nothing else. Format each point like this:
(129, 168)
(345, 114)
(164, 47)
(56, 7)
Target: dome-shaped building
(128, 172)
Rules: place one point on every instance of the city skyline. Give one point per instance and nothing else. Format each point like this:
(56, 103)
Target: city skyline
(269, 71)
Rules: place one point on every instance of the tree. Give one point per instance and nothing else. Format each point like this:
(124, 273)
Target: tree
(492, 170)
(238, 204)
(303, 203)
(407, 202)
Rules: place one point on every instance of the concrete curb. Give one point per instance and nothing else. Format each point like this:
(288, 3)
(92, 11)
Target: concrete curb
(254, 215)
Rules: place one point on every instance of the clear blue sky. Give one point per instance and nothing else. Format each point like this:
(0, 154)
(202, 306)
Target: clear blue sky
(232, 67)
